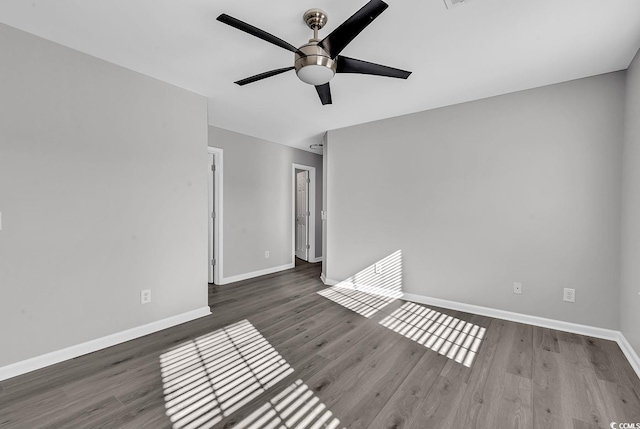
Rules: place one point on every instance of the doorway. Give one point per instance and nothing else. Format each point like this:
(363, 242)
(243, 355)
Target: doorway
(214, 215)
(302, 214)
(304, 219)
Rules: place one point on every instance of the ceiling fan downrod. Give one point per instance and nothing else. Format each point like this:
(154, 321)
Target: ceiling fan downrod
(315, 20)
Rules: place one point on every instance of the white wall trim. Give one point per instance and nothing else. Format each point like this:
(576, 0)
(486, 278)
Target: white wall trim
(591, 331)
(258, 273)
(218, 224)
(328, 281)
(312, 210)
(91, 346)
(315, 260)
(629, 352)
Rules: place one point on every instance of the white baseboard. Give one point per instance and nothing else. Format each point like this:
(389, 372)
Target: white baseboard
(315, 260)
(58, 356)
(253, 274)
(590, 331)
(630, 353)
(328, 281)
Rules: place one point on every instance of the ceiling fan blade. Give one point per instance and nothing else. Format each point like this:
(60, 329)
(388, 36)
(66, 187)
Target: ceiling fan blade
(255, 31)
(324, 91)
(263, 76)
(339, 38)
(352, 65)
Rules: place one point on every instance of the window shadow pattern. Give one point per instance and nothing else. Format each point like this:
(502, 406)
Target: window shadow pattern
(456, 339)
(294, 408)
(210, 377)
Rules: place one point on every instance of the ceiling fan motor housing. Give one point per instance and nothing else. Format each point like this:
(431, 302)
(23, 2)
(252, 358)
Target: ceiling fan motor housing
(317, 67)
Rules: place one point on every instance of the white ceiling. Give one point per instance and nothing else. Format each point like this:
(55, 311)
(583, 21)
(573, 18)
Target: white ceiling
(479, 49)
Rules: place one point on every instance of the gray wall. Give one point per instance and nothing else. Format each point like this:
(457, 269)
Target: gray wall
(102, 194)
(523, 187)
(630, 284)
(258, 201)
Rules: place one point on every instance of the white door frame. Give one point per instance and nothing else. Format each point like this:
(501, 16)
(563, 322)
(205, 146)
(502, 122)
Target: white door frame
(312, 211)
(216, 233)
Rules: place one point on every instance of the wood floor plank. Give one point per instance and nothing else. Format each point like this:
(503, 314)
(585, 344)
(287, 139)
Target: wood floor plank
(314, 341)
(347, 371)
(401, 408)
(548, 401)
(38, 409)
(381, 379)
(569, 337)
(483, 388)
(520, 360)
(622, 396)
(438, 409)
(515, 409)
(599, 359)
(546, 339)
(86, 416)
(579, 386)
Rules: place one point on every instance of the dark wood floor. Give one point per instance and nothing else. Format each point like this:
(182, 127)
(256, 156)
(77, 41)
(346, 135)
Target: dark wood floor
(276, 353)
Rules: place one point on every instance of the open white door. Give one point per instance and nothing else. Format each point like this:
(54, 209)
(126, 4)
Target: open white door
(302, 215)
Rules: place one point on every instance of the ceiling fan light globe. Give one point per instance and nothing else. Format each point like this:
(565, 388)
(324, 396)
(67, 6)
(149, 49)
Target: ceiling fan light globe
(315, 74)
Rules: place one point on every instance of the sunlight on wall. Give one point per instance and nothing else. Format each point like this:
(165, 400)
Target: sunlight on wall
(212, 376)
(382, 278)
(371, 289)
(446, 335)
(295, 408)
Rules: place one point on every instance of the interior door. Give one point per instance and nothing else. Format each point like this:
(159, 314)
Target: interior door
(212, 198)
(302, 215)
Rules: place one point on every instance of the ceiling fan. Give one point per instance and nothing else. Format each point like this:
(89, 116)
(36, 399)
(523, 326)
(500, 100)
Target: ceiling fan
(317, 62)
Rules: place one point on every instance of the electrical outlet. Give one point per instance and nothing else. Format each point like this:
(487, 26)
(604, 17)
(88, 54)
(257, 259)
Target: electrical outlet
(145, 296)
(266, 254)
(569, 295)
(517, 287)
(378, 268)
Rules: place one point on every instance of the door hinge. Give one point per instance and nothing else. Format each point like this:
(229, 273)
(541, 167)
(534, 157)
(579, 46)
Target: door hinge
(213, 262)
(213, 167)
(308, 180)
(308, 214)
(213, 215)
(308, 246)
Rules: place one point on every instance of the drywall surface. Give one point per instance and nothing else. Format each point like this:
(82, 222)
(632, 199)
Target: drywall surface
(258, 216)
(523, 188)
(630, 279)
(102, 193)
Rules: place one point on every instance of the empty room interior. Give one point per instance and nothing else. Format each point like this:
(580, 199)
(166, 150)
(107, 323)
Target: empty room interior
(320, 214)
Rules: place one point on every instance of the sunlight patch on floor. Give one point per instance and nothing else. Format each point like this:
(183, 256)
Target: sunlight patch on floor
(214, 375)
(444, 334)
(295, 408)
(365, 304)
